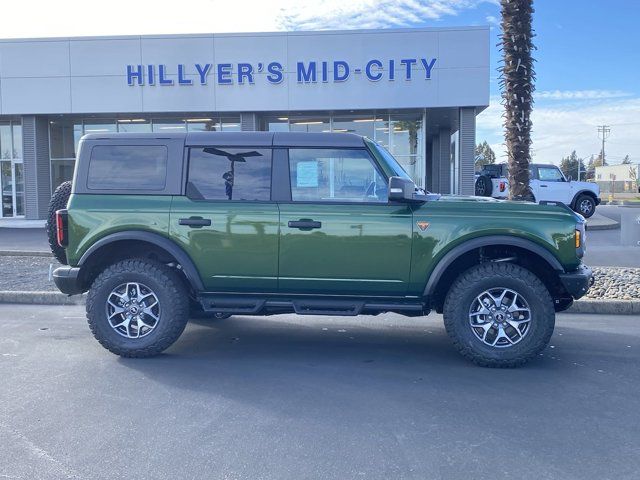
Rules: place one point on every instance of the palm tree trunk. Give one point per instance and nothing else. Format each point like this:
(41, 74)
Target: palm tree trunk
(517, 82)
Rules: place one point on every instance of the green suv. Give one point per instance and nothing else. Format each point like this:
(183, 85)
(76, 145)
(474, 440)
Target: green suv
(159, 227)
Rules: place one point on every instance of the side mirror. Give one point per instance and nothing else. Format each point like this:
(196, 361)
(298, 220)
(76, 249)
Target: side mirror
(403, 190)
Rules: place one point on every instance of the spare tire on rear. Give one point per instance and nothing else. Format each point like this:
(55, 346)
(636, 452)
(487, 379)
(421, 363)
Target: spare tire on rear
(58, 201)
(484, 187)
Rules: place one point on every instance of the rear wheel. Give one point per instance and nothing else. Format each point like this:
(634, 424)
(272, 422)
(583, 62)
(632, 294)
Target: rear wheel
(58, 201)
(484, 187)
(137, 308)
(499, 315)
(585, 205)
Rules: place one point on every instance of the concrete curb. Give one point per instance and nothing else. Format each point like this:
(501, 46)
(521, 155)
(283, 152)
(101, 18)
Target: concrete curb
(602, 307)
(24, 253)
(41, 298)
(606, 307)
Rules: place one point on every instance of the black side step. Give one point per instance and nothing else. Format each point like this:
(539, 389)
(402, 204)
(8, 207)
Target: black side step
(233, 305)
(240, 304)
(323, 307)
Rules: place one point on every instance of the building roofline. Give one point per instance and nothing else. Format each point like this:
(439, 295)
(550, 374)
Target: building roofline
(294, 33)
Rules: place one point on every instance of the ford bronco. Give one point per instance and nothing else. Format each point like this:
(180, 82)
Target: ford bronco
(159, 227)
(547, 183)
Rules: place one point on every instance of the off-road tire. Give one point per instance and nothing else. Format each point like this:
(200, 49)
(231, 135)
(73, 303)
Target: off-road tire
(58, 201)
(484, 186)
(482, 277)
(585, 198)
(172, 296)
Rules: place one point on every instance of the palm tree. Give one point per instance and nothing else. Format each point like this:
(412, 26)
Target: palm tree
(517, 82)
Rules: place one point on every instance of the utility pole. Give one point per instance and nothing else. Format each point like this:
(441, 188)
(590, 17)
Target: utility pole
(605, 130)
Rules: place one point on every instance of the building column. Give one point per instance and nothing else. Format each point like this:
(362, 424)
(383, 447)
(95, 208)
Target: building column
(248, 122)
(444, 159)
(36, 166)
(435, 164)
(428, 159)
(466, 149)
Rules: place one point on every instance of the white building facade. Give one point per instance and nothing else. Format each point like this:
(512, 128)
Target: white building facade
(417, 92)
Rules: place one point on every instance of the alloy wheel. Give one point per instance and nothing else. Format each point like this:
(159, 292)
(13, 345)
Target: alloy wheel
(133, 310)
(500, 317)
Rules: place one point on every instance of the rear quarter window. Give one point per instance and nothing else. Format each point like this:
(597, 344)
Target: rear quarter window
(128, 167)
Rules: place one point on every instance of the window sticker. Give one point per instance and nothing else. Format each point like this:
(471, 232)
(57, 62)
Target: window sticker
(307, 174)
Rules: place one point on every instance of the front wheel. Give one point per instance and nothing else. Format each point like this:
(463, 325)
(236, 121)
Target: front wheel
(585, 205)
(499, 315)
(137, 307)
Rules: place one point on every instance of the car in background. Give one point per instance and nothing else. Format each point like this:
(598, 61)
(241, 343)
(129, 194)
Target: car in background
(547, 182)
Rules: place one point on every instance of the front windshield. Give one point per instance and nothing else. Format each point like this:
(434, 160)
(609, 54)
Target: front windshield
(388, 159)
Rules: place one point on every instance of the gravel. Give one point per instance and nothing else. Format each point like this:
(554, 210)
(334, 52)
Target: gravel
(32, 274)
(615, 283)
(26, 273)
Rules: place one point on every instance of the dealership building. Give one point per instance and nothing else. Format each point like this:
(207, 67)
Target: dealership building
(415, 91)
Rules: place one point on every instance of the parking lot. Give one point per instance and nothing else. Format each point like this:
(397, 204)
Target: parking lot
(315, 397)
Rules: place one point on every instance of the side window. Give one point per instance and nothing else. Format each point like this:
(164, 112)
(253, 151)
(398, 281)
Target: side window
(335, 175)
(128, 167)
(550, 174)
(219, 173)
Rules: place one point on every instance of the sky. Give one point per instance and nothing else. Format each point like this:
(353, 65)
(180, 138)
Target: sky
(587, 58)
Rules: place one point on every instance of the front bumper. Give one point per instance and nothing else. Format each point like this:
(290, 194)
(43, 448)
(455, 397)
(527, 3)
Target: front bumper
(67, 281)
(577, 282)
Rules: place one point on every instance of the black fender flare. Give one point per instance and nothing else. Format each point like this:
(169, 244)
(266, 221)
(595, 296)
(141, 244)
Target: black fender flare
(188, 267)
(449, 257)
(575, 197)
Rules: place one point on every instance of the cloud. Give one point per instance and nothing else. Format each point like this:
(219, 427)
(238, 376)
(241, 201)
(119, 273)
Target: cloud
(341, 14)
(493, 21)
(580, 94)
(560, 129)
(219, 16)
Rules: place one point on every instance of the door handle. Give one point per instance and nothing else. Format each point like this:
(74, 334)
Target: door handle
(544, 186)
(195, 222)
(304, 224)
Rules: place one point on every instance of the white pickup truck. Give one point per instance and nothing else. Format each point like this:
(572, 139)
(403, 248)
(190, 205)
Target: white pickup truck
(547, 182)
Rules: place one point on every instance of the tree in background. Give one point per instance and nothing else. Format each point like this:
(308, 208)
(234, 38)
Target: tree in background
(626, 160)
(517, 82)
(570, 165)
(484, 155)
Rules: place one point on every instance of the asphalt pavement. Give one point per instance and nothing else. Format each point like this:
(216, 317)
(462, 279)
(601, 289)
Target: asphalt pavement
(290, 397)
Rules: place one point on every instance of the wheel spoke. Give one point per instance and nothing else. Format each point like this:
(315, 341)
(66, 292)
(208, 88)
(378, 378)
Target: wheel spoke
(127, 312)
(501, 334)
(148, 311)
(500, 310)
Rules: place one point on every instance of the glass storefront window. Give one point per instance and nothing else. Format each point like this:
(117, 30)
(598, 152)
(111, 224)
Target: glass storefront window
(405, 135)
(310, 124)
(17, 140)
(230, 124)
(360, 125)
(103, 126)
(276, 124)
(202, 125)
(169, 125)
(64, 136)
(18, 175)
(6, 184)
(61, 171)
(134, 125)
(6, 148)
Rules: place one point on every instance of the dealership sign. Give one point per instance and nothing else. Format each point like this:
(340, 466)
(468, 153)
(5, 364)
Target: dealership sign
(306, 72)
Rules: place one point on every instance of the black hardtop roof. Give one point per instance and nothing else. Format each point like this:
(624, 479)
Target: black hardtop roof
(241, 139)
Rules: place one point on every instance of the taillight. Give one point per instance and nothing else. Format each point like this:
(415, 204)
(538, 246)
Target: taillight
(502, 186)
(62, 229)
